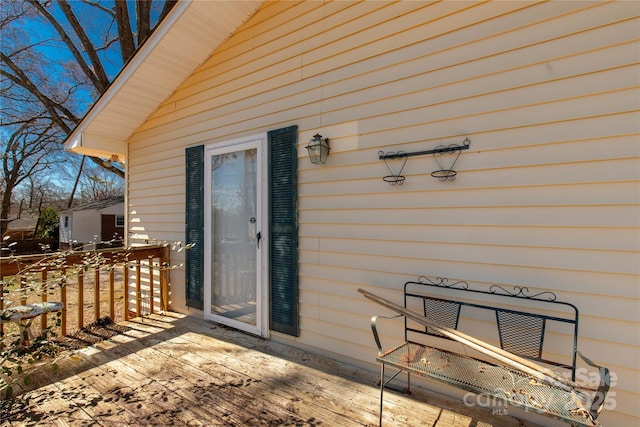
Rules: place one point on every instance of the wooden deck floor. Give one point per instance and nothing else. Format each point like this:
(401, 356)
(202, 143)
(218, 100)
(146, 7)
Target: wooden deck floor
(175, 370)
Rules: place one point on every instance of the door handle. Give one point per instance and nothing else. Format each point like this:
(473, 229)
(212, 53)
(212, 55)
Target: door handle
(258, 237)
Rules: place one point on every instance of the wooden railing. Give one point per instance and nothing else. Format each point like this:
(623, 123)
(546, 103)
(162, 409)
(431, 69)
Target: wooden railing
(66, 277)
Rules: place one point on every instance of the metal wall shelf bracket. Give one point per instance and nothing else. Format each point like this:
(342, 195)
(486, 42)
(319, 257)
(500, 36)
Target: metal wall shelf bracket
(442, 173)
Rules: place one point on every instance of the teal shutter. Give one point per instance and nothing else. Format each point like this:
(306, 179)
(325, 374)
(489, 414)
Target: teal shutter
(194, 226)
(283, 227)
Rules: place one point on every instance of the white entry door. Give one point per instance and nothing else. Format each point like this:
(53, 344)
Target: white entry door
(234, 293)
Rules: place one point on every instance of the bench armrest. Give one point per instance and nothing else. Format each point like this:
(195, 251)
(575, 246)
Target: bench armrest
(374, 329)
(603, 387)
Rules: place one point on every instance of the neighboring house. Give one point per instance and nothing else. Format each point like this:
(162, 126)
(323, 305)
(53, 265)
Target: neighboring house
(19, 237)
(23, 227)
(214, 112)
(93, 225)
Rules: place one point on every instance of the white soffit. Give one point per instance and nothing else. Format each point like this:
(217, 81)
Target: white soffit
(176, 48)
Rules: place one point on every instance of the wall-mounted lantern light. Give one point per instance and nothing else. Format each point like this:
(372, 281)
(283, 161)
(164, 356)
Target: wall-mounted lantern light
(318, 149)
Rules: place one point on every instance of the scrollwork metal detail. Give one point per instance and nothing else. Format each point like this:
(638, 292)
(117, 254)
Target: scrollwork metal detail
(443, 282)
(522, 292)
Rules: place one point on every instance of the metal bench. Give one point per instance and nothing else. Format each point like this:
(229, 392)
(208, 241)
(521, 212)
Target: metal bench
(534, 377)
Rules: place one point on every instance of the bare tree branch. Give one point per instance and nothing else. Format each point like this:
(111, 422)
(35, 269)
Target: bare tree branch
(98, 161)
(93, 77)
(107, 44)
(75, 184)
(127, 46)
(52, 107)
(168, 5)
(101, 7)
(143, 21)
(86, 45)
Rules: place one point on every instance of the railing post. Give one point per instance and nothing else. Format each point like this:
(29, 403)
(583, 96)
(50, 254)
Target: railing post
(150, 261)
(63, 299)
(138, 288)
(80, 298)
(164, 279)
(112, 293)
(1, 308)
(96, 292)
(44, 287)
(125, 280)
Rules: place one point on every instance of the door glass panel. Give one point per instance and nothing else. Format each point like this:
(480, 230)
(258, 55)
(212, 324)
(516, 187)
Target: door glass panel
(234, 240)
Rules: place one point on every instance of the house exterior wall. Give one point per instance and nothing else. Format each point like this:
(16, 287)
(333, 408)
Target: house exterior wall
(546, 197)
(85, 226)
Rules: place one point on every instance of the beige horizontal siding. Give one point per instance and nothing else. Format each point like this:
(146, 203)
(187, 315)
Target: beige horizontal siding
(547, 195)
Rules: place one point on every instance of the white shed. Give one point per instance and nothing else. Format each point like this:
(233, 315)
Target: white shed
(93, 225)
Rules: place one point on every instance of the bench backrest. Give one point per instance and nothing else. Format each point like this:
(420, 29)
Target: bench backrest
(521, 320)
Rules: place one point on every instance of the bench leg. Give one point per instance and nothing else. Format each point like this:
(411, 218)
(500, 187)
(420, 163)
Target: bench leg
(408, 382)
(381, 391)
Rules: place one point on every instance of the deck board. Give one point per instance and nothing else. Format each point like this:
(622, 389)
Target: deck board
(180, 370)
